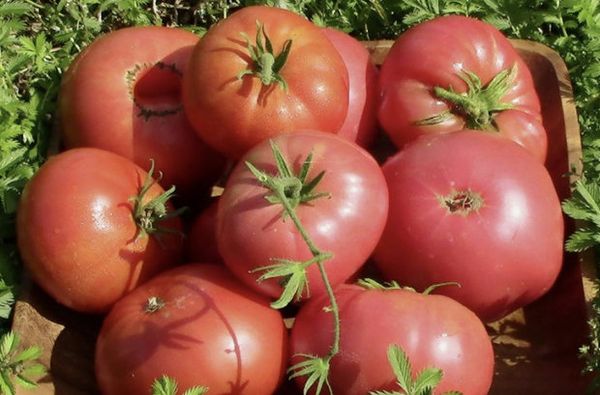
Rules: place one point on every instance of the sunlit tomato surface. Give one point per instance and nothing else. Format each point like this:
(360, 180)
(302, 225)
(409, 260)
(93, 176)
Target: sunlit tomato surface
(440, 54)
(360, 124)
(433, 330)
(123, 94)
(251, 232)
(77, 233)
(233, 114)
(198, 325)
(476, 209)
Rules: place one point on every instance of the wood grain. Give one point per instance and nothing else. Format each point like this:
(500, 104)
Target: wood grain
(536, 347)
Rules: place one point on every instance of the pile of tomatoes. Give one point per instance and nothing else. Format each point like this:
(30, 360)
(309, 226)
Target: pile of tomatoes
(297, 125)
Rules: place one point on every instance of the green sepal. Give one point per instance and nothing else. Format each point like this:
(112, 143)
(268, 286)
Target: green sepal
(265, 64)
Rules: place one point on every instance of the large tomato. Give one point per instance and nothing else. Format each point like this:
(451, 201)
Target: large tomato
(123, 94)
(360, 124)
(251, 231)
(197, 324)
(425, 78)
(433, 331)
(235, 101)
(79, 235)
(477, 209)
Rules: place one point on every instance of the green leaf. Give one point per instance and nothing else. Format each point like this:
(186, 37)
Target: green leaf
(6, 385)
(25, 382)
(293, 278)
(317, 371)
(400, 364)
(30, 353)
(8, 343)
(196, 391)
(15, 8)
(581, 240)
(427, 380)
(164, 385)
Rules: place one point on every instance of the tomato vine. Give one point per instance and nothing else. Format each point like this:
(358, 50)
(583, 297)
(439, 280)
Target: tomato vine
(289, 190)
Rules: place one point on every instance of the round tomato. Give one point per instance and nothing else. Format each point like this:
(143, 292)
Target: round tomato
(201, 239)
(456, 72)
(79, 232)
(197, 324)
(237, 93)
(123, 94)
(476, 209)
(360, 124)
(432, 330)
(252, 232)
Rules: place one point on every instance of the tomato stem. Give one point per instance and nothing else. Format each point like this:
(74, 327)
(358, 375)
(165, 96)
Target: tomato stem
(290, 190)
(153, 304)
(478, 104)
(265, 64)
(318, 256)
(462, 202)
(148, 214)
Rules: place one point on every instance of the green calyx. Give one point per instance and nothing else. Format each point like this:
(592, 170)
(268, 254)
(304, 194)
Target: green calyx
(148, 215)
(265, 64)
(371, 284)
(297, 188)
(479, 103)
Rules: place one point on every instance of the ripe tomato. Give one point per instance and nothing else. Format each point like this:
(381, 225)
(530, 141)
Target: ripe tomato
(251, 232)
(123, 94)
(197, 324)
(476, 209)
(202, 239)
(78, 235)
(457, 54)
(233, 111)
(360, 124)
(433, 330)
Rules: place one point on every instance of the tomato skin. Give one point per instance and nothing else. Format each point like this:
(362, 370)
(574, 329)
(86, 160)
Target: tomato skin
(251, 232)
(445, 46)
(212, 331)
(97, 106)
(505, 254)
(234, 114)
(360, 124)
(202, 236)
(76, 231)
(433, 330)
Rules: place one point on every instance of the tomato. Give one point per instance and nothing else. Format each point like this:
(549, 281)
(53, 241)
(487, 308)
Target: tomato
(201, 239)
(433, 330)
(197, 324)
(424, 78)
(233, 109)
(123, 94)
(360, 124)
(476, 209)
(251, 232)
(78, 235)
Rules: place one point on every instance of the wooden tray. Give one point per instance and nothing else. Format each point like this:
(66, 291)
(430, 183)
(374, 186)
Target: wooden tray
(536, 347)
